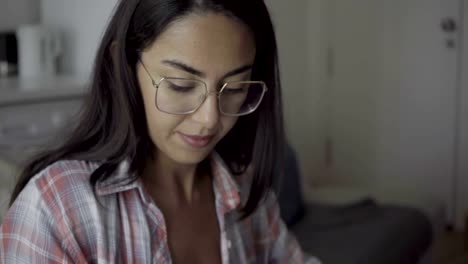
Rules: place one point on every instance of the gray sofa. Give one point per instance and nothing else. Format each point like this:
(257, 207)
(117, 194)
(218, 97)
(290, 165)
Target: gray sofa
(363, 232)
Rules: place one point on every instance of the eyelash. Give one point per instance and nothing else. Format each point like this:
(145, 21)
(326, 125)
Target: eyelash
(178, 88)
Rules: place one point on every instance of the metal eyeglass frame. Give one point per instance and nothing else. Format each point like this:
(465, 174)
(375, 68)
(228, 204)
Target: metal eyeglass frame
(156, 86)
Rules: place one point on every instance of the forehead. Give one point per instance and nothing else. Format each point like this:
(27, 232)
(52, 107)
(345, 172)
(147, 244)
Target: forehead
(210, 42)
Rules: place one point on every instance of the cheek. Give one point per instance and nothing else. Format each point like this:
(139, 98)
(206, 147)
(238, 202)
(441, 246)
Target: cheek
(160, 125)
(148, 100)
(150, 110)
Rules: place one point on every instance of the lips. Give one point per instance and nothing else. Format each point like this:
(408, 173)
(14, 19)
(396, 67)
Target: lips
(197, 141)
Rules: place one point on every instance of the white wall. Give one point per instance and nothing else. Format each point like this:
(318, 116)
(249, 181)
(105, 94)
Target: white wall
(16, 12)
(299, 28)
(355, 42)
(462, 161)
(83, 23)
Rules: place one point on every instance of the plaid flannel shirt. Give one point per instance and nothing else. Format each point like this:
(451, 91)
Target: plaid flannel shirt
(57, 218)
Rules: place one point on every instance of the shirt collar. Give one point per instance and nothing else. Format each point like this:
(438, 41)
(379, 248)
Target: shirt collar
(225, 188)
(121, 180)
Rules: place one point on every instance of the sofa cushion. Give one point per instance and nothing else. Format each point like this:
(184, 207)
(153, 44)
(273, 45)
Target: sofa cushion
(289, 190)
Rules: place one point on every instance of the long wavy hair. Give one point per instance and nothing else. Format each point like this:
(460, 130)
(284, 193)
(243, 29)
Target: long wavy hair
(111, 127)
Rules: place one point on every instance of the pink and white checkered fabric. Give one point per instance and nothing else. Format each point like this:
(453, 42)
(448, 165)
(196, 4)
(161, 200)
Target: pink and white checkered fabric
(58, 218)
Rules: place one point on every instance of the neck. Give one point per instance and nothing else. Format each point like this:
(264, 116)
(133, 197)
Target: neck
(175, 182)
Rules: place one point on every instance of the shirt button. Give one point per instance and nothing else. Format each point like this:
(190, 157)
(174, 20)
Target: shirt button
(229, 244)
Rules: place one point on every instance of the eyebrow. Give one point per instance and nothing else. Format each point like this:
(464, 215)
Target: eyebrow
(184, 67)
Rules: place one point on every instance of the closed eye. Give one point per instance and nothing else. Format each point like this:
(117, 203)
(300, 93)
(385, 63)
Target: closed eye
(228, 90)
(181, 89)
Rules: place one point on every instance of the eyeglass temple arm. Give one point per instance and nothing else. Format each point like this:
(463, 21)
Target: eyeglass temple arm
(146, 70)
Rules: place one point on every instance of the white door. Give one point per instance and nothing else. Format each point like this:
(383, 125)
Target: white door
(393, 89)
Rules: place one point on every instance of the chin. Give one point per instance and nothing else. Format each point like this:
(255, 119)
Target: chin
(190, 157)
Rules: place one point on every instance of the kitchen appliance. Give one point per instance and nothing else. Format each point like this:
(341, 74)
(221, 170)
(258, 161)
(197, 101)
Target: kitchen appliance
(38, 50)
(83, 23)
(8, 54)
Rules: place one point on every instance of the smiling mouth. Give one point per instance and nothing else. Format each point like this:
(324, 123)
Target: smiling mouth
(196, 141)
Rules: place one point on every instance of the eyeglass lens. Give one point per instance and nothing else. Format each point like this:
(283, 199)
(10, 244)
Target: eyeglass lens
(181, 96)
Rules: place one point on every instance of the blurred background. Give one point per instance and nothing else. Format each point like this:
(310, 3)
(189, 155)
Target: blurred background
(375, 97)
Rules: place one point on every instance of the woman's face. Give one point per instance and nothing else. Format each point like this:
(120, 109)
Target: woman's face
(211, 45)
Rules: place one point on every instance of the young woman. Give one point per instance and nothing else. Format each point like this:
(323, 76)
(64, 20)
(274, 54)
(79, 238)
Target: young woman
(185, 97)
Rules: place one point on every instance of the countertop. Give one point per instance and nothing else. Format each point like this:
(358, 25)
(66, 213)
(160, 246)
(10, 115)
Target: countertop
(14, 90)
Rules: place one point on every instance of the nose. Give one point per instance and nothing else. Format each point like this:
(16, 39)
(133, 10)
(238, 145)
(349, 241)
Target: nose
(208, 113)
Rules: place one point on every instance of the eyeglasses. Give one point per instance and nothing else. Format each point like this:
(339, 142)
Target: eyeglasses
(181, 96)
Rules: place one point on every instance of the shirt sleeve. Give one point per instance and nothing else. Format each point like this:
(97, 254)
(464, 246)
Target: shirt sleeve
(33, 231)
(285, 248)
